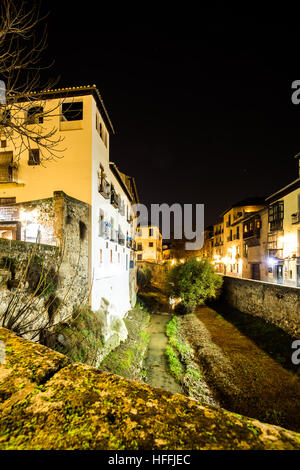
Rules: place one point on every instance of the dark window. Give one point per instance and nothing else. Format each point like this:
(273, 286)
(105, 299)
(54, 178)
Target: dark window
(35, 115)
(72, 111)
(34, 157)
(6, 170)
(140, 257)
(139, 247)
(7, 200)
(3, 144)
(276, 213)
(6, 117)
(82, 230)
(150, 243)
(150, 232)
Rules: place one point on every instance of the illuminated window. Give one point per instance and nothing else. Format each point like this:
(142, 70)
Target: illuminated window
(111, 256)
(100, 256)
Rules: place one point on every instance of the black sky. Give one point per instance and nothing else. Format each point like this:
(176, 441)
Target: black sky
(202, 110)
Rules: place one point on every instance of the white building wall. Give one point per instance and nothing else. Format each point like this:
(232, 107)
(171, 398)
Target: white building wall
(110, 278)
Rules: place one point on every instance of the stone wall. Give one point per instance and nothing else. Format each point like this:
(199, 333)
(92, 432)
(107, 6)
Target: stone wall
(275, 303)
(48, 403)
(64, 222)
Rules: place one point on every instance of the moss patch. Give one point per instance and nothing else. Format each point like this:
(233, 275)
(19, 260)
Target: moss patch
(80, 407)
(127, 359)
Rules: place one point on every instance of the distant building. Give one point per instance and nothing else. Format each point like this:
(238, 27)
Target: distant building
(283, 243)
(234, 260)
(148, 243)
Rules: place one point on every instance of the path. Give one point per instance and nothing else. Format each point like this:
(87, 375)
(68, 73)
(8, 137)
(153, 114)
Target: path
(156, 362)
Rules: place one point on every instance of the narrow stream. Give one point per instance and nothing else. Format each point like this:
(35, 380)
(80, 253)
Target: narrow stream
(156, 361)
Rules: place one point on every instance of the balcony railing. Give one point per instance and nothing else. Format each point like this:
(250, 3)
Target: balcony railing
(296, 218)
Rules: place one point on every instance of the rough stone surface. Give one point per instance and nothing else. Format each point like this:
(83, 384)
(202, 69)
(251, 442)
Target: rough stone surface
(277, 304)
(47, 404)
(60, 218)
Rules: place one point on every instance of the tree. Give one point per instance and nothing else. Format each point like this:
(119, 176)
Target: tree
(193, 282)
(23, 39)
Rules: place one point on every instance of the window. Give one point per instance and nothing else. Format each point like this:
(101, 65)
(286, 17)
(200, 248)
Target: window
(34, 157)
(150, 232)
(101, 223)
(7, 200)
(3, 144)
(6, 117)
(140, 247)
(6, 170)
(119, 258)
(100, 256)
(82, 230)
(275, 215)
(35, 115)
(139, 257)
(111, 256)
(72, 111)
(151, 244)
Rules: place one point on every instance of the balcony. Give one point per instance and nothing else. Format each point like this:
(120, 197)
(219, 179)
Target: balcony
(296, 218)
(104, 189)
(114, 235)
(114, 199)
(275, 252)
(104, 230)
(121, 207)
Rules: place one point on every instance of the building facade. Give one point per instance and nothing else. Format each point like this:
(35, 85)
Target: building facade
(82, 171)
(283, 243)
(149, 244)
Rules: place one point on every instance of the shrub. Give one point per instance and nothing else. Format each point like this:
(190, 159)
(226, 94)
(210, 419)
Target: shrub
(81, 338)
(144, 276)
(193, 282)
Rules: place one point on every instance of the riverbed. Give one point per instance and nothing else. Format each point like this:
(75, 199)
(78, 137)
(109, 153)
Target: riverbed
(158, 374)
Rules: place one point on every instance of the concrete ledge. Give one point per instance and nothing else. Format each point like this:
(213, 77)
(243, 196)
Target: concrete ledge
(48, 403)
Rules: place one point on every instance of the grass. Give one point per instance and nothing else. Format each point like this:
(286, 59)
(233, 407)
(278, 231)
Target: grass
(174, 363)
(182, 365)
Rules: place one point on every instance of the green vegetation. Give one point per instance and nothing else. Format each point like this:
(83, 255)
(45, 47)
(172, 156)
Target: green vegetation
(144, 276)
(128, 358)
(182, 365)
(193, 282)
(81, 339)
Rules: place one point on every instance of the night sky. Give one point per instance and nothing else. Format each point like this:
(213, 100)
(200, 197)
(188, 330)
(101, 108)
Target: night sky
(202, 110)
